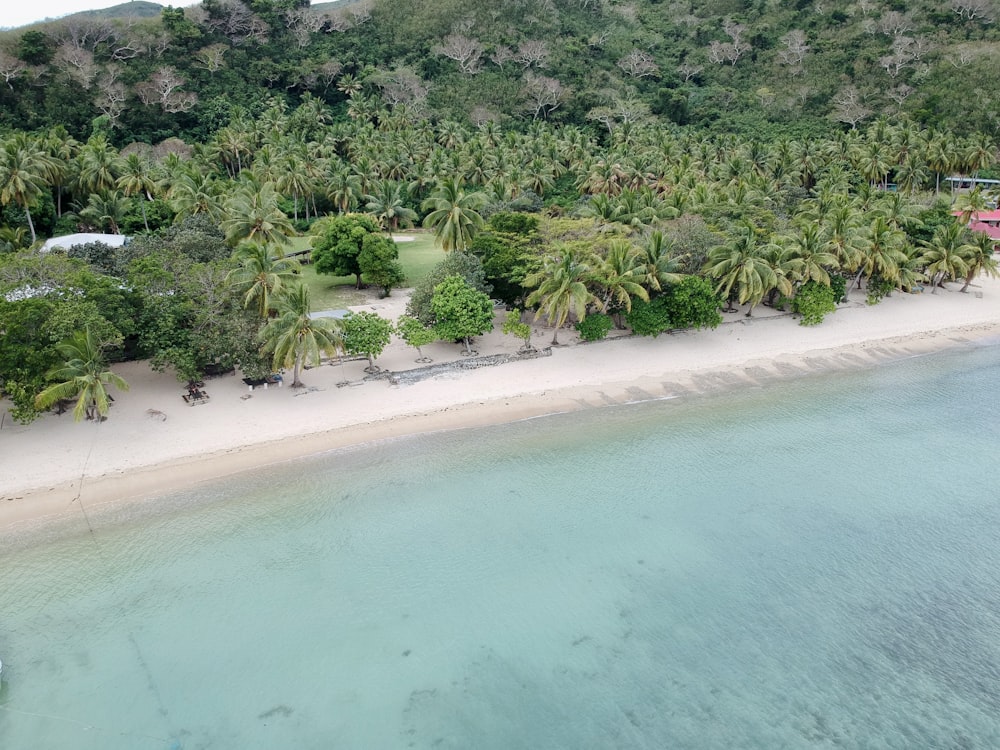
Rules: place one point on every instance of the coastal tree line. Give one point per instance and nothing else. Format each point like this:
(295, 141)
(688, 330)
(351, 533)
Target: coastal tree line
(652, 229)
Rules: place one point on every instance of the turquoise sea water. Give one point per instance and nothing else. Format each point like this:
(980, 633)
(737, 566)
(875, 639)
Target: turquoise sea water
(810, 564)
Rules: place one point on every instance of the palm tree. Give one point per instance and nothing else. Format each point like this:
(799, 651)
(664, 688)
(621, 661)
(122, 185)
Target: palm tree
(561, 289)
(387, 205)
(811, 255)
(137, 179)
(742, 266)
(25, 171)
(195, 193)
(662, 267)
(82, 376)
(105, 210)
(881, 250)
(454, 214)
(254, 215)
(343, 188)
(99, 166)
(261, 275)
(978, 256)
(620, 275)
(945, 253)
(295, 338)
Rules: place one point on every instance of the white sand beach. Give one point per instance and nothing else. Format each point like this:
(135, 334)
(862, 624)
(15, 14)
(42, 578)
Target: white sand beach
(153, 442)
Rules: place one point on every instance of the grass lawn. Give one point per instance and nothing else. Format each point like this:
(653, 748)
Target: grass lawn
(337, 292)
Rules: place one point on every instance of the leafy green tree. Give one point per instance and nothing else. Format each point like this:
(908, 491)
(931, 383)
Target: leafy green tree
(379, 263)
(366, 334)
(514, 326)
(415, 334)
(460, 311)
(812, 301)
(338, 243)
(294, 338)
(82, 376)
(462, 264)
(454, 214)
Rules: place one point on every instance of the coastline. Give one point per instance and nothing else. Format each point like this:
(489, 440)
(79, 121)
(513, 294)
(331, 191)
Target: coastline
(154, 444)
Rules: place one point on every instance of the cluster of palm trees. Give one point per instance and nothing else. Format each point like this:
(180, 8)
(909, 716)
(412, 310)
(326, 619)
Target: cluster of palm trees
(784, 213)
(384, 164)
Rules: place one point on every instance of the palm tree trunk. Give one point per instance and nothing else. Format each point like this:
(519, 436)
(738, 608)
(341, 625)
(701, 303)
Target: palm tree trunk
(935, 280)
(968, 280)
(31, 225)
(555, 334)
(142, 205)
(296, 383)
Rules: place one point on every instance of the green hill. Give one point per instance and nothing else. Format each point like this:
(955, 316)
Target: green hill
(759, 68)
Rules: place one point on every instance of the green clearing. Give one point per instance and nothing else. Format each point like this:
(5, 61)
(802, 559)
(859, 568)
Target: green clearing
(337, 292)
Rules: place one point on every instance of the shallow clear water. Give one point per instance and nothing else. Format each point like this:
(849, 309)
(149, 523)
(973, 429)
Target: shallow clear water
(811, 564)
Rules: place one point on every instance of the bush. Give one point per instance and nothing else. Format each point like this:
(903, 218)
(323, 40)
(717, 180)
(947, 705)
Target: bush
(595, 327)
(649, 318)
(813, 301)
(878, 288)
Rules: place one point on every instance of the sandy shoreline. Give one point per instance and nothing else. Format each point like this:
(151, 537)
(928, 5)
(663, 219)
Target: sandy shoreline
(154, 443)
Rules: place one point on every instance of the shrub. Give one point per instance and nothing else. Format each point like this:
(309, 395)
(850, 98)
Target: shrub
(813, 301)
(594, 327)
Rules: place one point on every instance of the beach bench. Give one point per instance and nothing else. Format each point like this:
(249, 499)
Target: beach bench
(194, 397)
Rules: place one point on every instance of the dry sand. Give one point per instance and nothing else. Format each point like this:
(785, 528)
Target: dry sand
(154, 443)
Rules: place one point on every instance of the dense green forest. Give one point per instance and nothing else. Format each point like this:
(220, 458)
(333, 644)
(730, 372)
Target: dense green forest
(635, 165)
(767, 67)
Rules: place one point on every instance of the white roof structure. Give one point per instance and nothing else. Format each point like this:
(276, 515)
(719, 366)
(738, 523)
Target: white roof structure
(72, 240)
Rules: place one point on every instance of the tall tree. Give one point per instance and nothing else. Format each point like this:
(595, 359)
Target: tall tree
(294, 338)
(25, 170)
(262, 273)
(560, 289)
(454, 214)
(83, 376)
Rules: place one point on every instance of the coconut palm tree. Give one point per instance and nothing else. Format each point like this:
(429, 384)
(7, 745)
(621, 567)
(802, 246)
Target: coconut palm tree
(619, 275)
(945, 253)
(193, 192)
(262, 274)
(105, 210)
(561, 289)
(662, 267)
(454, 214)
(387, 205)
(137, 178)
(99, 166)
(296, 339)
(810, 254)
(25, 171)
(978, 256)
(742, 268)
(253, 214)
(83, 376)
(881, 250)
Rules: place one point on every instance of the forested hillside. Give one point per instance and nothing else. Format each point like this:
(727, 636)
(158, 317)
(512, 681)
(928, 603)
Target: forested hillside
(759, 68)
